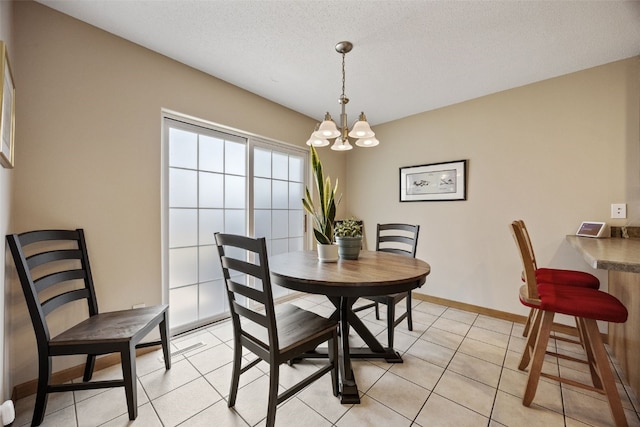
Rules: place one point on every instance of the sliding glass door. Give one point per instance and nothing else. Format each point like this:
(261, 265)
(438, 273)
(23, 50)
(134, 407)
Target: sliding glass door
(216, 180)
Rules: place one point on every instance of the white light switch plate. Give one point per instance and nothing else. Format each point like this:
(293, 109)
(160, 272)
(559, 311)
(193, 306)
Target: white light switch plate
(618, 210)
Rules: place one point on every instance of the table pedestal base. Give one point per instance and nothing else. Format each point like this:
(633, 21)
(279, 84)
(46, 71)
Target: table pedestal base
(389, 355)
(344, 312)
(349, 394)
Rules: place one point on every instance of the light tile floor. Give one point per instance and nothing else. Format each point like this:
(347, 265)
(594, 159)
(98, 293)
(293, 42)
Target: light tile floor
(460, 369)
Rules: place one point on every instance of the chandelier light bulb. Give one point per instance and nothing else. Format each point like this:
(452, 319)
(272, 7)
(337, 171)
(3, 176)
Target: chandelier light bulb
(367, 142)
(317, 142)
(340, 145)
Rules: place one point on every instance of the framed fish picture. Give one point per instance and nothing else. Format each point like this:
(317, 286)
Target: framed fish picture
(434, 182)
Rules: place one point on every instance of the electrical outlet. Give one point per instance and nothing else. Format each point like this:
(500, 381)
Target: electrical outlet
(618, 210)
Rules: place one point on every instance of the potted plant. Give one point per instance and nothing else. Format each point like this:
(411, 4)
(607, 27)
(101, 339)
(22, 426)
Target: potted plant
(348, 234)
(325, 213)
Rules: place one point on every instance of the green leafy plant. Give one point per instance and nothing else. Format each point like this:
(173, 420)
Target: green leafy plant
(348, 228)
(325, 213)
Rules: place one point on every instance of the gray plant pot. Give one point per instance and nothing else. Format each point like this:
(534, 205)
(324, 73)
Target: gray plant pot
(349, 247)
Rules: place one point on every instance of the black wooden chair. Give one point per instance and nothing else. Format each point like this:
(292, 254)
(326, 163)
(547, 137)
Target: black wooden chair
(56, 263)
(400, 239)
(276, 334)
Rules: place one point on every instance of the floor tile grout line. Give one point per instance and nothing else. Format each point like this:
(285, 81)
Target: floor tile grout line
(635, 406)
(504, 361)
(447, 367)
(430, 392)
(311, 408)
(223, 398)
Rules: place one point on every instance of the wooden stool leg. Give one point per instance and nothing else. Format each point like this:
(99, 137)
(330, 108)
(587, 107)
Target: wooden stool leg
(539, 351)
(531, 339)
(527, 325)
(586, 343)
(602, 361)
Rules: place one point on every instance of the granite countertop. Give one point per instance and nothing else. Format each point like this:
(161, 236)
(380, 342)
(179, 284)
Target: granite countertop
(609, 253)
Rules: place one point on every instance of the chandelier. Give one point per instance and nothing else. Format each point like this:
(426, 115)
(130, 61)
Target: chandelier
(327, 130)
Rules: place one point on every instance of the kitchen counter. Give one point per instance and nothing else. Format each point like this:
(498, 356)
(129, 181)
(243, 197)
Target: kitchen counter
(609, 254)
(621, 257)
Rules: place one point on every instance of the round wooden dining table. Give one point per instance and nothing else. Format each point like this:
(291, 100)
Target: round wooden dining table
(343, 282)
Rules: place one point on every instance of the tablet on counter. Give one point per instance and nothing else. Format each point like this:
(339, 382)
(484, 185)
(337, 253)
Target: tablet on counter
(592, 229)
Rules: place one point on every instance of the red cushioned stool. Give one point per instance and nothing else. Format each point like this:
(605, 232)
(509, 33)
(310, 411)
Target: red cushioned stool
(587, 306)
(554, 276)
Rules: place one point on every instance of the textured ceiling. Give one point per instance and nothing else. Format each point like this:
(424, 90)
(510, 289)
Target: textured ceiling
(408, 56)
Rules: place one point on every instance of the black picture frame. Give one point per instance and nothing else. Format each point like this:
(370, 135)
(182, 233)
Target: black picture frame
(445, 181)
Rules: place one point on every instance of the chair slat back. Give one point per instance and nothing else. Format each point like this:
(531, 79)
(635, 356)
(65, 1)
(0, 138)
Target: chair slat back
(59, 300)
(50, 256)
(526, 257)
(55, 278)
(248, 284)
(527, 239)
(55, 261)
(397, 238)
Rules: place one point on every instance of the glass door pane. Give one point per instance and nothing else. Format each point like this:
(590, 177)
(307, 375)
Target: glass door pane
(278, 185)
(206, 194)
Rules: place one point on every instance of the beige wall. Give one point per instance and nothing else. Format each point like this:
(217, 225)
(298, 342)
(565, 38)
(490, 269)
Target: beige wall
(553, 153)
(6, 175)
(89, 120)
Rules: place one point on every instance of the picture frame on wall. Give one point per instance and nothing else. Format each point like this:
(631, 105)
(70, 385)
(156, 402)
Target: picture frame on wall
(434, 182)
(7, 110)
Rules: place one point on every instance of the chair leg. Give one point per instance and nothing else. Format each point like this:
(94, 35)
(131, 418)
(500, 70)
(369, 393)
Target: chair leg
(88, 367)
(531, 339)
(527, 325)
(539, 352)
(235, 374)
(377, 311)
(274, 373)
(164, 338)
(128, 358)
(333, 359)
(44, 376)
(584, 339)
(409, 318)
(391, 317)
(602, 361)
